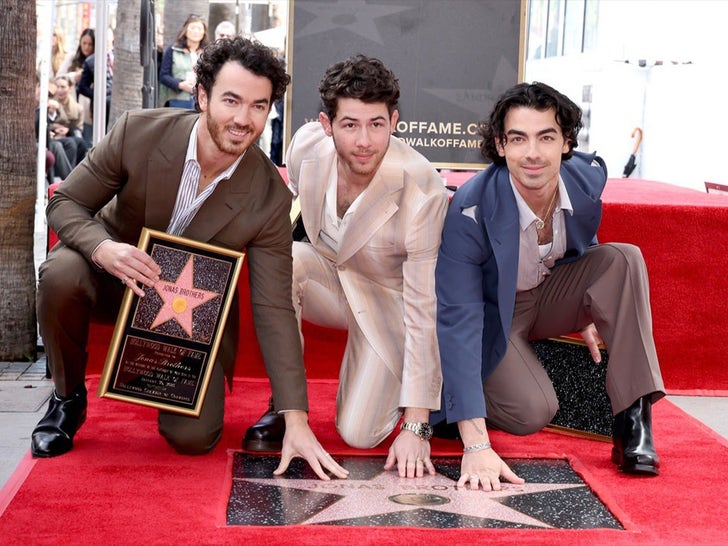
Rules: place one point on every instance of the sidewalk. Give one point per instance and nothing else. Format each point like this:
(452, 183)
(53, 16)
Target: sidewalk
(24, 393)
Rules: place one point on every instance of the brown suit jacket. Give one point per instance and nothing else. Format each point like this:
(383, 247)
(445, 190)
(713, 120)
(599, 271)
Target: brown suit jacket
(130, 181)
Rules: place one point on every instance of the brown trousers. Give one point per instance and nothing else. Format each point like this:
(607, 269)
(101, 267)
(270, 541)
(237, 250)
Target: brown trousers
(607, 286)
(71, 292)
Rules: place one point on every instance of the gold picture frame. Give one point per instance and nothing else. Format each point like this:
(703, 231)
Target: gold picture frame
(165, 343)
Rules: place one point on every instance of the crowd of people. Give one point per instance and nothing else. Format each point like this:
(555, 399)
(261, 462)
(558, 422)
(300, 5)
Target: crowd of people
(176, 79)
(440, 299)
(70, 103)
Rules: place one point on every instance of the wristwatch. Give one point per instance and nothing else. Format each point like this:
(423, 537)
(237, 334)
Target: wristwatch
(423, 430)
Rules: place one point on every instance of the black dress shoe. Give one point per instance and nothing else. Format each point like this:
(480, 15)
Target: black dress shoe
(267, 433)
(634, 451)
(54, 433)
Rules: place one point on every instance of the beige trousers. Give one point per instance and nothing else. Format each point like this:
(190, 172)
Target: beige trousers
(367, 402)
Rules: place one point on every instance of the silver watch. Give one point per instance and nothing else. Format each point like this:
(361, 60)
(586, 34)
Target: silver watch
(423, 430)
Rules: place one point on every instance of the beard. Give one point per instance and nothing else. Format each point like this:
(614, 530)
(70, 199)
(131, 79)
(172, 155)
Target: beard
(221, 138)
(357, 167)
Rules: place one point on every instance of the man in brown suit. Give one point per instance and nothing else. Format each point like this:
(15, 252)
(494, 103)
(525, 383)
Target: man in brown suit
(201, 176)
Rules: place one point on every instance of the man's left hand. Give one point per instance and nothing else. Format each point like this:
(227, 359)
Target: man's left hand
(411, 454)
(592, 340)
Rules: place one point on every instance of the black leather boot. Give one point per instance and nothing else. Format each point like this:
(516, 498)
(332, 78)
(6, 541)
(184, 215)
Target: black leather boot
(267, 433)
(54, 433)
(634, 451)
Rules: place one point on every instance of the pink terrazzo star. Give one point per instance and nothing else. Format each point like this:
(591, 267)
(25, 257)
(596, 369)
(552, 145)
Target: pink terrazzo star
(180, 298)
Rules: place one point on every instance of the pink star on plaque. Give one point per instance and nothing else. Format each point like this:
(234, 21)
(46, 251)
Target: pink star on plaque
(180, 298)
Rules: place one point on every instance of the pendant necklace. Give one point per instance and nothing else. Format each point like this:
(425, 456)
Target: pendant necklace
(540, 224)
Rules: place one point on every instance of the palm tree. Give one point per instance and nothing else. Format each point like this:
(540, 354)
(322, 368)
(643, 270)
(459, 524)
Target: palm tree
(126, 91)
(18, 331)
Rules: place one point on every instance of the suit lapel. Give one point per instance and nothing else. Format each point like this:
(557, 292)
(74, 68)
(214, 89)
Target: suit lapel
(312, 185)
(228, 199)
(375, 208)
(501, 218)
(167, 158)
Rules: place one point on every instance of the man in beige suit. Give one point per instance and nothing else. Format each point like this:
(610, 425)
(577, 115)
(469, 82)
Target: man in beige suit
(198, 175)
(373, 210)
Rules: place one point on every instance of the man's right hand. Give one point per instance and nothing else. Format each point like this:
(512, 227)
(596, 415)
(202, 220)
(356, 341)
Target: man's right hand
(300, 441)
(485, 469)
(129, 263)
(481, 466)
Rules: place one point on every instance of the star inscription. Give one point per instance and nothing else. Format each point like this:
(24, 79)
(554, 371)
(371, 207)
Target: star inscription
(180, 299)
(388, 493)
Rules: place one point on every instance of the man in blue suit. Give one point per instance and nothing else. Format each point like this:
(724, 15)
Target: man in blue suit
(519, 261)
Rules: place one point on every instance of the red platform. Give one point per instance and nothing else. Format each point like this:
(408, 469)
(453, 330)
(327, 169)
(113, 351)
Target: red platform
(683, 237)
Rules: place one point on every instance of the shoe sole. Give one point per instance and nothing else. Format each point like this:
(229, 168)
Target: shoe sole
(638, 469)
(262, 446)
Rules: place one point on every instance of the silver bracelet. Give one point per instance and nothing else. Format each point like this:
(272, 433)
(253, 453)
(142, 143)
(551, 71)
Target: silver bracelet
(476, 447)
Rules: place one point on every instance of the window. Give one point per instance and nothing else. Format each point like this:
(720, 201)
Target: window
(561, 27)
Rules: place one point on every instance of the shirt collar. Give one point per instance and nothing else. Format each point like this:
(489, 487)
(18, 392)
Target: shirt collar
(526, 216)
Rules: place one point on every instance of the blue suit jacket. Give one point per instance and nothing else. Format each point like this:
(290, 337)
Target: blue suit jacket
(477, 270)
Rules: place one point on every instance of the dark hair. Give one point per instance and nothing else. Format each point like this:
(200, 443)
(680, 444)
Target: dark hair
(538, 96)
(252, 55)
(358, 77)
(181, 40)
(79, 57)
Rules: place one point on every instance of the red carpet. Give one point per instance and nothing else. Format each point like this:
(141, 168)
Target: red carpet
(123, 485)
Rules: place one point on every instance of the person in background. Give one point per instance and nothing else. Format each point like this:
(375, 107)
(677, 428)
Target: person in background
(224, 29)
(58, 51)
(73, 68)
(373, 209)
(519, 261)
(67, 123)
(86, 84)
(276, 134)
(207, 182)
(57, 164)
(73, 65)
(176, 74)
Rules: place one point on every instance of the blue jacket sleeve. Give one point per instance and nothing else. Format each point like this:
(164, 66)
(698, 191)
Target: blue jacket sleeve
(460, 309)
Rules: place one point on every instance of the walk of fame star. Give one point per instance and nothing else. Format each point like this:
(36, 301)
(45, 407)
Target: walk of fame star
(553, 497)
(180, 299)
(357, 16)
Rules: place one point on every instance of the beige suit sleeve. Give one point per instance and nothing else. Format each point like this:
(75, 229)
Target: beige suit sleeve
(421, 374)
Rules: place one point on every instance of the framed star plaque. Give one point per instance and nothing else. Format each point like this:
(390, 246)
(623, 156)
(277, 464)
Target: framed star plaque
(165, 343)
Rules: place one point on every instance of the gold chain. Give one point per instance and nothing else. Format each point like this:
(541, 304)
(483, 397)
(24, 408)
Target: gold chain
(540, 224)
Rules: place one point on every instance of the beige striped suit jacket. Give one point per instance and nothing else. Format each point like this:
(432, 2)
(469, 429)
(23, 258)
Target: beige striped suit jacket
(386, 259)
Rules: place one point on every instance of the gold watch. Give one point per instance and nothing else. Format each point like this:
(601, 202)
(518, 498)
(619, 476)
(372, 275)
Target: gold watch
(423, 430)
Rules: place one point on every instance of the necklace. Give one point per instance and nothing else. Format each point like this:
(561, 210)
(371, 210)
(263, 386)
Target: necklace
(540, 224)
